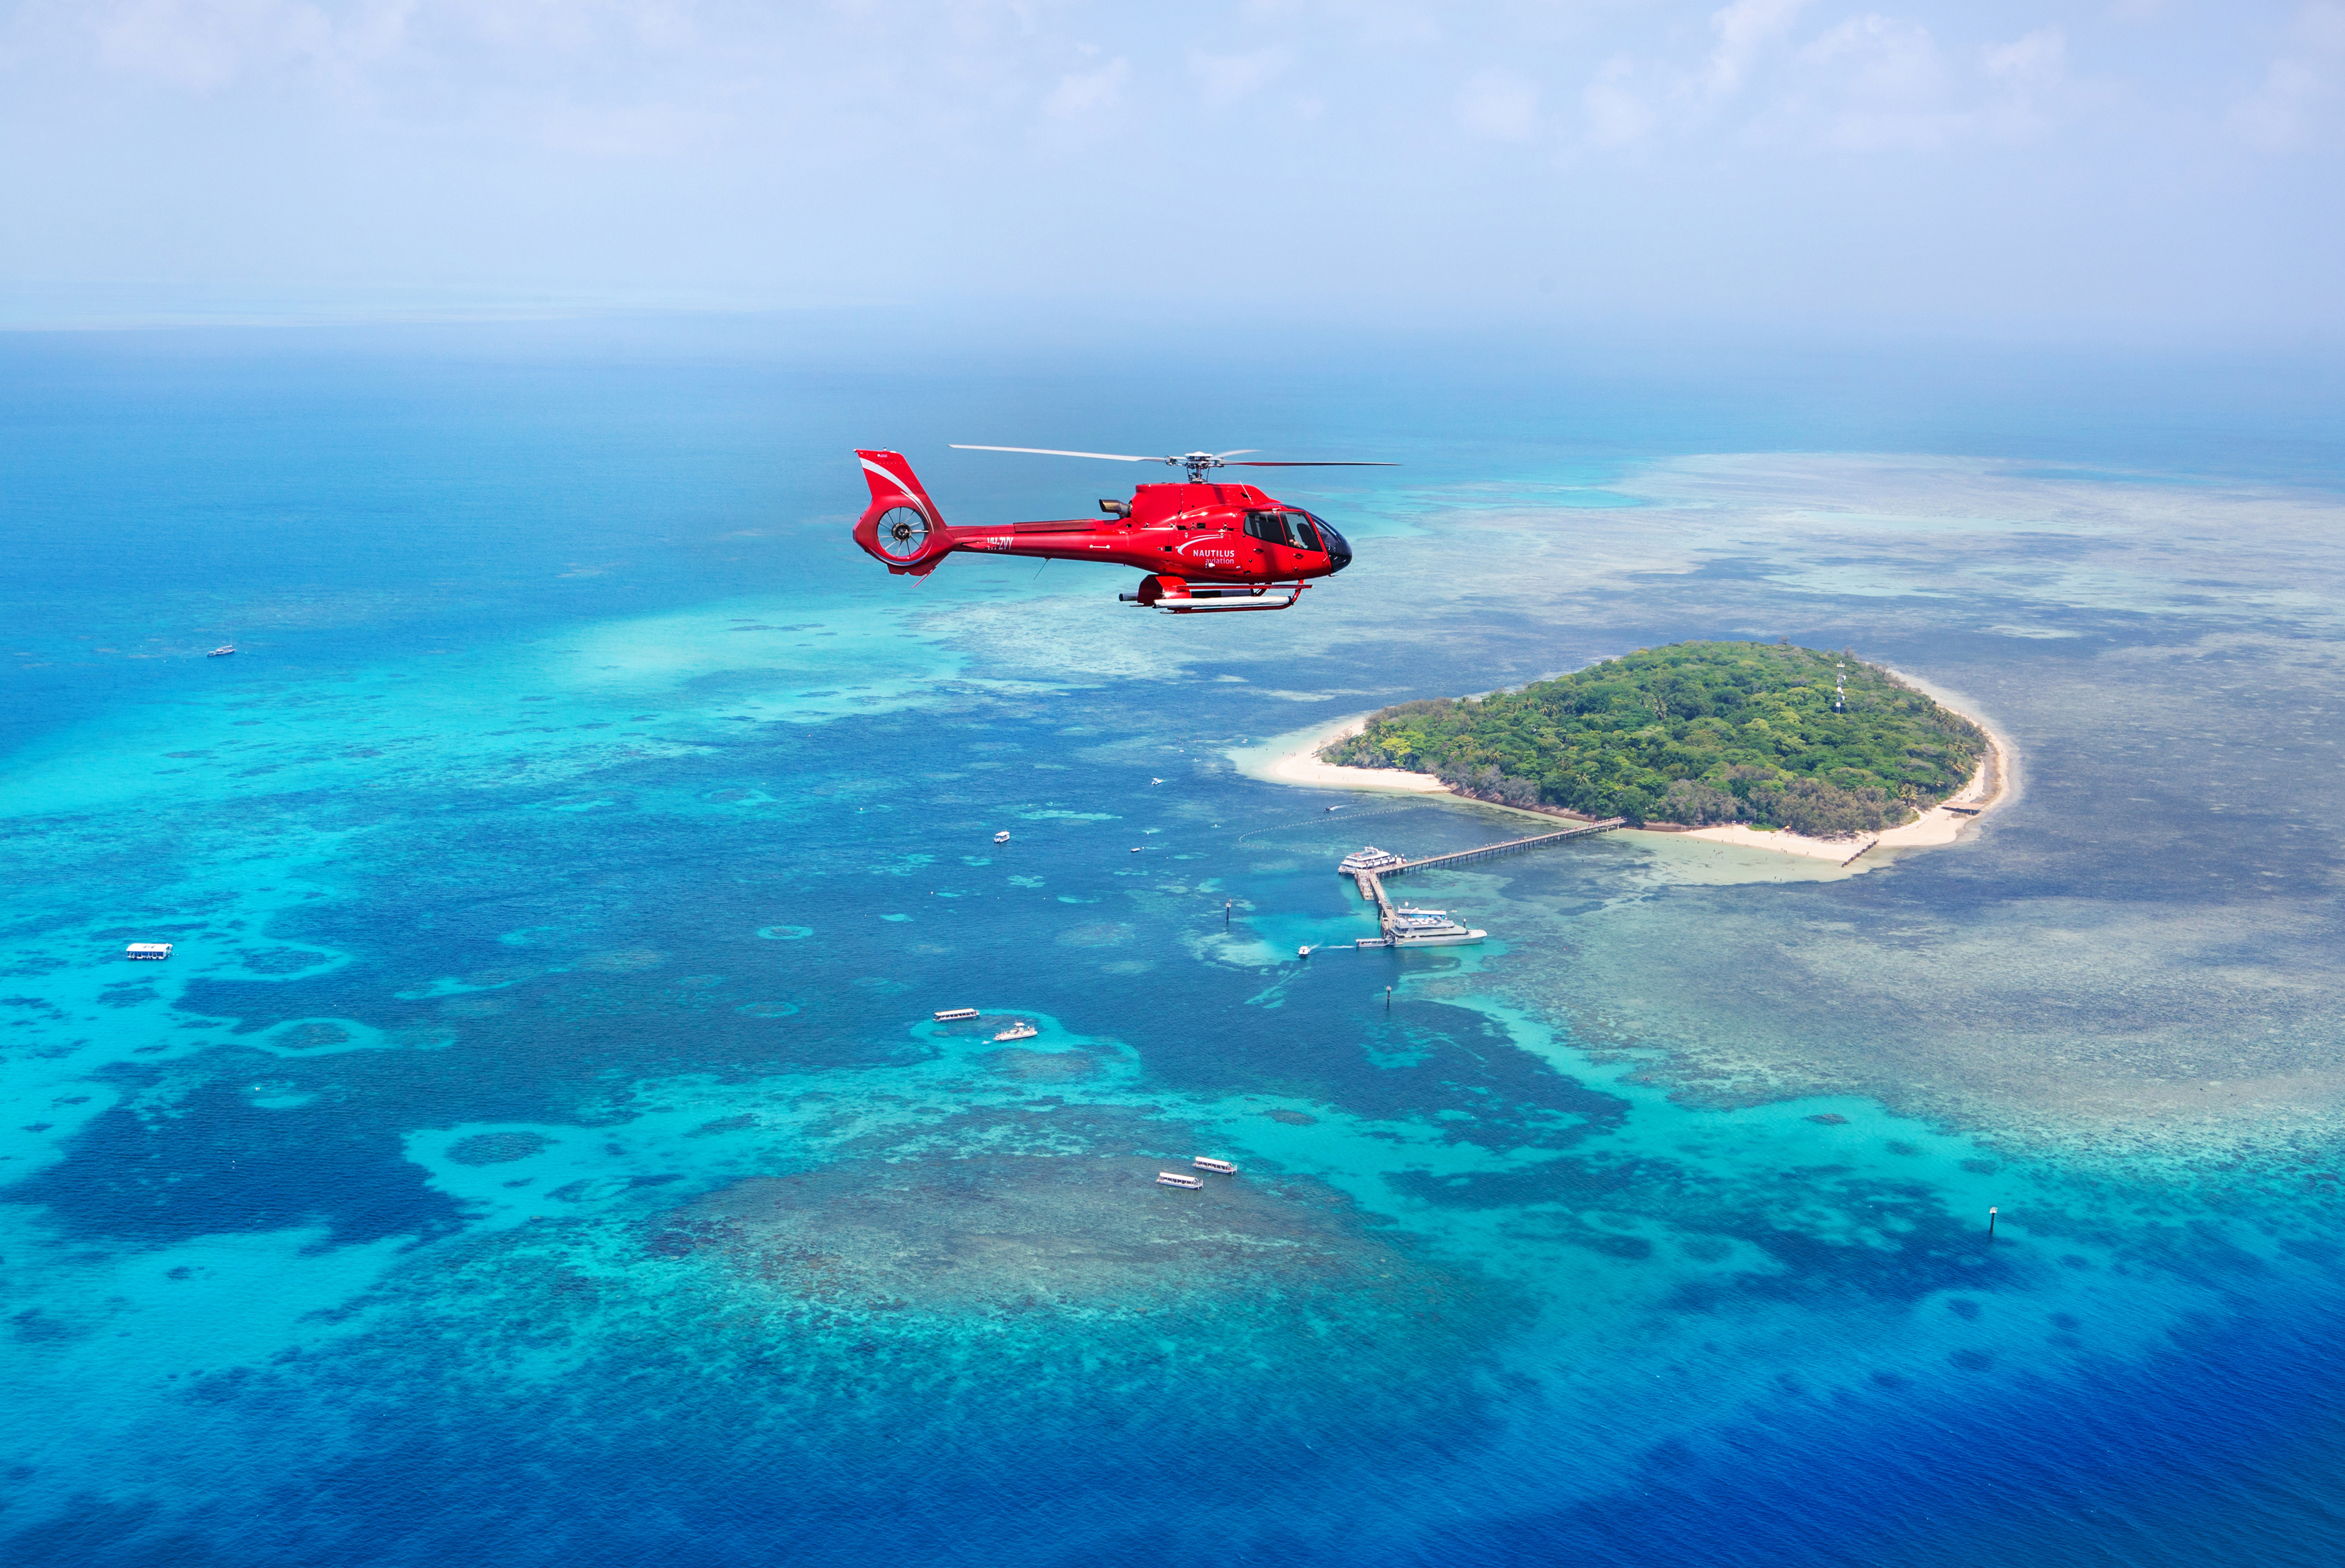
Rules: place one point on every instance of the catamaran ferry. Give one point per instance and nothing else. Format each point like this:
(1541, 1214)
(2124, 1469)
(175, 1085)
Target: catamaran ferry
(1412, 927)
(1369, 859)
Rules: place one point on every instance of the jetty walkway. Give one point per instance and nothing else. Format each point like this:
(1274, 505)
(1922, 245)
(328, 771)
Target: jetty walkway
(1372, 886)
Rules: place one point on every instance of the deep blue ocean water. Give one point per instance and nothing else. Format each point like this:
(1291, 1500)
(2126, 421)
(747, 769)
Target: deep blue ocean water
(539, 1149)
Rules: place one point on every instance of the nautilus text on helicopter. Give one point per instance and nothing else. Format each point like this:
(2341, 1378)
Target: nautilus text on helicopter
(1204, 546)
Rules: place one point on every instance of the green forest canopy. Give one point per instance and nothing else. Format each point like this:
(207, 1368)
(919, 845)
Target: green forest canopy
(1694, 733)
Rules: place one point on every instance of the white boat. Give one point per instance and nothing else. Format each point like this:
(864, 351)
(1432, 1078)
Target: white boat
(1176, 1179)
(955, 1015)
(1369, 859)
(1001, 837)
(1412, 927)
(1303, 951)
(1021, 1030)
(222, 652)
(1218, 1166)
(154, 951)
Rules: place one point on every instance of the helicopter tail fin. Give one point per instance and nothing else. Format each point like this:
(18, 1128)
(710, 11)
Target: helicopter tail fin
(892, 480)
(901, 527)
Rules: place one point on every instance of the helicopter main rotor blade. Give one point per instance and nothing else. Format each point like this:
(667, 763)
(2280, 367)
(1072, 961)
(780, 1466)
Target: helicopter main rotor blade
(1051, 452)
(1196, 462)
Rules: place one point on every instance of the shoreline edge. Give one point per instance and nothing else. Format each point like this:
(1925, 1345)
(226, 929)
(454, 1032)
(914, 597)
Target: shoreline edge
(1992, 784)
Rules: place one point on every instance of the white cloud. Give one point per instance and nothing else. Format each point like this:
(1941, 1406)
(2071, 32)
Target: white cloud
(1868, 82)
(2289, 109)
(641, 130)
(1743, 29)
(1875, 83)
(205, 43)
(1226, 78)
(1616, 114)
(2037, 60)
(2031, 74)
(683, 148)
(1089, 92)
(2280, 114)
(1880, 60)
(2321, 26)
(1499, 104)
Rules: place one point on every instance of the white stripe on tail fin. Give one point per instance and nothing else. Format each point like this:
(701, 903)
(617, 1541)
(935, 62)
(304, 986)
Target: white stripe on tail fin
(892, 480)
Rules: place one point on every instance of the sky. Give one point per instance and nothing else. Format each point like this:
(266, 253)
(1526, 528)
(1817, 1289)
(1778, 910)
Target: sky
(2147, 171)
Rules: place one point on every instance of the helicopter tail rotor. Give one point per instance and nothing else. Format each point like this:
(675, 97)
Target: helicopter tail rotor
(901, 527)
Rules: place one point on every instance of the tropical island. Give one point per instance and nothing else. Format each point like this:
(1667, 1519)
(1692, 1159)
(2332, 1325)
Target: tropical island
(1695, 735)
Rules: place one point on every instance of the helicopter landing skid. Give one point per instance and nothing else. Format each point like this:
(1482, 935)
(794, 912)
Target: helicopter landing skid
(1175, 598)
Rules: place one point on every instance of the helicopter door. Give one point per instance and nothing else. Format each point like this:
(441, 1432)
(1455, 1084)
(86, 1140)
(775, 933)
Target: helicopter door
(1270, 527)
(1292, 529)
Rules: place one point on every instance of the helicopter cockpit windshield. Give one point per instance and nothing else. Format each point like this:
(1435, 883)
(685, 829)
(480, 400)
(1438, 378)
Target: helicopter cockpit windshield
(1339, 550)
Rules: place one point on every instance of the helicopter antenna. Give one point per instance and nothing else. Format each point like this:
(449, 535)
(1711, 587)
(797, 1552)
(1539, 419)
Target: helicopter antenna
(1196, 464)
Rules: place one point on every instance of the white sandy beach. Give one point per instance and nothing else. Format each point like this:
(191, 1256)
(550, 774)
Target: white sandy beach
(1939, 825)
(1295, 760)
(1302, 765)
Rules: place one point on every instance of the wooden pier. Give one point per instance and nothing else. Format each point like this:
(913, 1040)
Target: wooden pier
(1463, 856)
(1372, 883)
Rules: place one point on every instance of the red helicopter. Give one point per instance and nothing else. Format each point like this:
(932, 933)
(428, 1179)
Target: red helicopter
(1204, 546)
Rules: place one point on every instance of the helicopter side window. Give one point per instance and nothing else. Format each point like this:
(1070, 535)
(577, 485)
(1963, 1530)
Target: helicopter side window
(1270, 526)
(1299, 525)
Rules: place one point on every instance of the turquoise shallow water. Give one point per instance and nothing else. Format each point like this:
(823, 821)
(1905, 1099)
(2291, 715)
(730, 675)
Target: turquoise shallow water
(538, 1148)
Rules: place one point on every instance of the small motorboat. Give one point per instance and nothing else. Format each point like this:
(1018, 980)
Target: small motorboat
(1136, 848)
(1001, 837)
(1178, 1178)
(1218, 1166)
(1021, 1030)
(222, 652)
(955, 1015)
(1303, 951)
